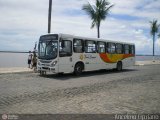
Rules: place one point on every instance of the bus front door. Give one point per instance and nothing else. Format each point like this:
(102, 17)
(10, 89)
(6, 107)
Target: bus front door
(65, 56)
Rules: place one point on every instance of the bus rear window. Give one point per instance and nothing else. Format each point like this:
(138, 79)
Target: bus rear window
(126, 49)
(132, 49)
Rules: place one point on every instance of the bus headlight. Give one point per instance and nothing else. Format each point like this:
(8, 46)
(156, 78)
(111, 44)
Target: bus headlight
(54, 63)
(39, 63)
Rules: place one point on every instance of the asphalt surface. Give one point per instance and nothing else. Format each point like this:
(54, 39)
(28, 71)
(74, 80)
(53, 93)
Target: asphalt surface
(134, 90)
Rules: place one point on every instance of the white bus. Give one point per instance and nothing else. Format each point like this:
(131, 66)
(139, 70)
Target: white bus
(63, 53)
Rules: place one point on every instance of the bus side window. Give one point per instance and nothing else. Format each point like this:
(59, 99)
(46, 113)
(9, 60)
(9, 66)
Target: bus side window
(131, 49)
(90, 46)
(134, 49)
(119, 48)
(126, 49)
(78, 45)
(65, 48)
(111, 48)
(101, 47)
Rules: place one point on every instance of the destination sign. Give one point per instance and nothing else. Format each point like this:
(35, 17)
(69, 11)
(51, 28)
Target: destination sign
(49, 37)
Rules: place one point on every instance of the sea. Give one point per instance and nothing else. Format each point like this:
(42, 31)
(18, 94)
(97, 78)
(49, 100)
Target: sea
(11, 59)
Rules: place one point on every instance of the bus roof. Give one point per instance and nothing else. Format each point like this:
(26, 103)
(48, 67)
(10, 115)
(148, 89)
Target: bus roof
(88, 38)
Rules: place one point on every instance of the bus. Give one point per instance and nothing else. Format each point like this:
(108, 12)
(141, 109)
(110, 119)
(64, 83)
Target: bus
(64, 53)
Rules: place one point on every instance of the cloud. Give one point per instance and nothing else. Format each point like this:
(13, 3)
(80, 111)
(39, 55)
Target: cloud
(157, 45)
(22, 22)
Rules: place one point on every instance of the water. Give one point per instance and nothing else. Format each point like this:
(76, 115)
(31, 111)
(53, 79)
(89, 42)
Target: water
(145, 58)
(20, 59)
(13, 60)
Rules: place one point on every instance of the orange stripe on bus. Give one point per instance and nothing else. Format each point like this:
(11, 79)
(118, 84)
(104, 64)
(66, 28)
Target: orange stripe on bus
(113, 58)
(127, 55)
(105, 58)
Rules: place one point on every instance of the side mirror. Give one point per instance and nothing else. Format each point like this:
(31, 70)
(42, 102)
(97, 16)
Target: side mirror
(62, 44)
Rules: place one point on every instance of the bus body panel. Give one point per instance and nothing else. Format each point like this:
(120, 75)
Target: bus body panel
(91, 61)
(65, 63)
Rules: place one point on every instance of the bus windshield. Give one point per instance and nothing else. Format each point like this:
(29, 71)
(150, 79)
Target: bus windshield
(47, 49)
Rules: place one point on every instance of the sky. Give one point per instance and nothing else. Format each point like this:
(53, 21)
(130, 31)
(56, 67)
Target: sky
(22, 22)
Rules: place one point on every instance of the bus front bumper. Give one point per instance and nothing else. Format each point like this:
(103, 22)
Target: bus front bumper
(47, 69)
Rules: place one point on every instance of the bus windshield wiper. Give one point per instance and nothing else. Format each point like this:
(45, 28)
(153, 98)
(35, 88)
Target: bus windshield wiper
(48, 43)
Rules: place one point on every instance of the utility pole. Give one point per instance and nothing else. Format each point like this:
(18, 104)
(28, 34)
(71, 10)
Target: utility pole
(49, 16)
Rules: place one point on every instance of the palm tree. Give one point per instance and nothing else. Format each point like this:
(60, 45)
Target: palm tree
(154, 30)
(97, 12)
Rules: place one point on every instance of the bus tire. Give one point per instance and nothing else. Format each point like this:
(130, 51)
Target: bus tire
(119, 66)
(78, 69)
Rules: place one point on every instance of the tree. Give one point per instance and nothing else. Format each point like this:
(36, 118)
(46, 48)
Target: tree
(154, 30)
(97, 12)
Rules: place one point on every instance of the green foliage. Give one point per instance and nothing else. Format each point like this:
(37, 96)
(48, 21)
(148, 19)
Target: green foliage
(154, 27)
(97, 12)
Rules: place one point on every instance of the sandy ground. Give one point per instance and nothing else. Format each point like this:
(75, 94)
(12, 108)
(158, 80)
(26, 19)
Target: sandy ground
(14, 70)
(23, 69)
(153, 62)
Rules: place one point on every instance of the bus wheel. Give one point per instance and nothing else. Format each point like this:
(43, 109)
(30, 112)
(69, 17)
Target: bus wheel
(119, 66)
(78, 69)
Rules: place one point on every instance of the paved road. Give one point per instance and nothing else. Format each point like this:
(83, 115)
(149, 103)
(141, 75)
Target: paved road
(134, 90)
